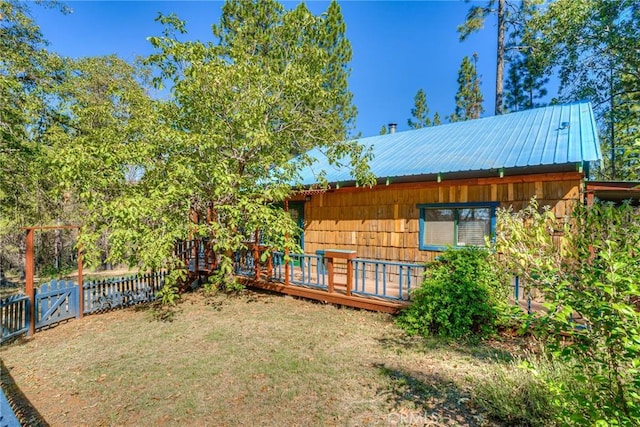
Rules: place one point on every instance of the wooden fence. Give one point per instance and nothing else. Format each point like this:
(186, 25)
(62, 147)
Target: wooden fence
(58, 300)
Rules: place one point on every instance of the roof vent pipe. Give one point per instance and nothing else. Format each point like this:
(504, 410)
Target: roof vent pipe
(392, 127)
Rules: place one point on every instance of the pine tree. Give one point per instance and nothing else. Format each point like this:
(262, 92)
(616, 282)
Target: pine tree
(436, 119)
(593, 48)
(524, 84)
(419, 112)
(469, 96)
(525, 81)
(475, 21)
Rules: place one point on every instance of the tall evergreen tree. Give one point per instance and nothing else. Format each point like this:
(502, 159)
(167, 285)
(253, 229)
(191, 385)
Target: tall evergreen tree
(474, 22)
(419, 112)
(436, 119)
(469, 96)
(525, 82)
(593, 46)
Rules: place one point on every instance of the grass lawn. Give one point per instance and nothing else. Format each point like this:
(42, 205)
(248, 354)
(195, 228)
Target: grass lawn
(254, 359)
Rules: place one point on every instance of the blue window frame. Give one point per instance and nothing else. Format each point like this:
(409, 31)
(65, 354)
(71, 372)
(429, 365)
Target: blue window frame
(456, 224)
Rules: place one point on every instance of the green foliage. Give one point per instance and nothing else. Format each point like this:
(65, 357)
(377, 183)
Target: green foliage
(228, 142)
(419, 112)
(592, 48)
(383, 130)
(469, 96)
(461, 295)
(518, 393)
(27, 73)
(436, 119)
(592, 274)
(525, 79)
(165, 306)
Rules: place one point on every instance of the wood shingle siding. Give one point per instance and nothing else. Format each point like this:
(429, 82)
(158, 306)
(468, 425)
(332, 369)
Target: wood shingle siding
(383, 222)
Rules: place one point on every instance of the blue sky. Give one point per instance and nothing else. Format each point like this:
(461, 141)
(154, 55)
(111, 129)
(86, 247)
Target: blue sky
(398, 46)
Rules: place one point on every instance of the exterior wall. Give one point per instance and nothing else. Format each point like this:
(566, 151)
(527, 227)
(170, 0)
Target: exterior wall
(383, 222)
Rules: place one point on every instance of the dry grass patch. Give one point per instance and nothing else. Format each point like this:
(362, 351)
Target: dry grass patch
(247, 360)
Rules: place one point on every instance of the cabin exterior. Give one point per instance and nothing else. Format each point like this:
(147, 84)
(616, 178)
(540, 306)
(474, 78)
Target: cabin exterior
(436, 187)
(440, 186)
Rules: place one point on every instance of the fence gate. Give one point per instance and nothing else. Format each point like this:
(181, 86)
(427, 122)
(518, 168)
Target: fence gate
(56, 301)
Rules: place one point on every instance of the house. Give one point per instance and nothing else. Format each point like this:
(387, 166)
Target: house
(440, 186)
(436, 187)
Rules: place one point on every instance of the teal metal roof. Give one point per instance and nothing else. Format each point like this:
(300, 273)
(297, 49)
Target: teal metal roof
(554, 135)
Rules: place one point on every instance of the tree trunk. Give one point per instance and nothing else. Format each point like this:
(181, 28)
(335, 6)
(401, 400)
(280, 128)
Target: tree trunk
(500, 58)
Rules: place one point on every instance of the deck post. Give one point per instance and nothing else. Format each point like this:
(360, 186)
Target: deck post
(286, 250)
(80, 287)
(256, 256)
(270, 267)
(349, 276)
(330, 273)
(29, 273)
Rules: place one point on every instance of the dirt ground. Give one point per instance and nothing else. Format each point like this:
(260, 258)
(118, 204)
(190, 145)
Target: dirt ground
(254, 359)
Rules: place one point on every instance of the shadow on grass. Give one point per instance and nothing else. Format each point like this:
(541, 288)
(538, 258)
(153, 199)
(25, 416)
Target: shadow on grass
(482, 350)
(26, 413)
(431, 397)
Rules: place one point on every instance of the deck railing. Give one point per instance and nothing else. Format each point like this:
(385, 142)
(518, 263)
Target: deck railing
(304, 270)
(196, 253)
(372, 278)
(386, 279)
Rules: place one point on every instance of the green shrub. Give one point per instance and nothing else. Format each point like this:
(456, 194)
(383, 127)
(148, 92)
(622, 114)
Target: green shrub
(462, 294)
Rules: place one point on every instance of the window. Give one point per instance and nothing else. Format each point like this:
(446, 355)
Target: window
(457, 224)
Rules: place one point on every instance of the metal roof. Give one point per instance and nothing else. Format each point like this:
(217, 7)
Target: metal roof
(554, 135)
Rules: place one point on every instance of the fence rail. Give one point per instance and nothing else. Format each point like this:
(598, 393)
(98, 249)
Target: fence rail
(58, 300)
(14, 316)
(109, 294)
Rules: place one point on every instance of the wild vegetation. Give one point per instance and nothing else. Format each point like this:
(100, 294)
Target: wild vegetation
(590, 281)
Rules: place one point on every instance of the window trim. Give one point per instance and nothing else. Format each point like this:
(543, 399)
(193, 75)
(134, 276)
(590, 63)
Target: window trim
(424, 206)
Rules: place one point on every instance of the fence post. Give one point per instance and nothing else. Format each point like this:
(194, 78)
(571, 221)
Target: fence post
(29, 273)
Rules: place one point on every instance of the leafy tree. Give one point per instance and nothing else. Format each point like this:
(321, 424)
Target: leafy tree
(110, 128)
(27, 73)
(220, 147)
(469, 96)
(591, 274)
(383, 130)
(593, 47)
(419, 112)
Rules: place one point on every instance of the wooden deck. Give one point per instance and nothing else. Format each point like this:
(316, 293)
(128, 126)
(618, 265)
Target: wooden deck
(337, 297)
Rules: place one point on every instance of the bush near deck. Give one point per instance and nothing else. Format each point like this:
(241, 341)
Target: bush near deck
(462, 294)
